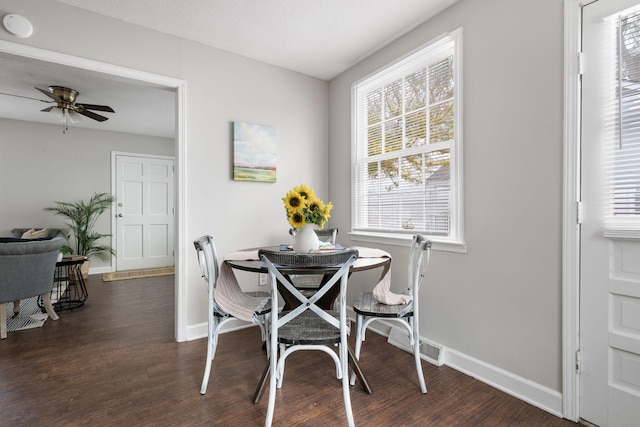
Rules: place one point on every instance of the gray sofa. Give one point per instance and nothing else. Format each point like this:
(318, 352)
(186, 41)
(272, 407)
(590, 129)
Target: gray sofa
(27, 267)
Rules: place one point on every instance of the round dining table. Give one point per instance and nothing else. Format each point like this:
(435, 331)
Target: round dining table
(255, 265)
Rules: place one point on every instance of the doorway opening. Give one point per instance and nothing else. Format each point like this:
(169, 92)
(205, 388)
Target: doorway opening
(40, 56)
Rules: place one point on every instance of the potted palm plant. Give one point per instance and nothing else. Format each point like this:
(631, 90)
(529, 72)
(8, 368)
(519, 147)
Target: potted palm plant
(81, 218)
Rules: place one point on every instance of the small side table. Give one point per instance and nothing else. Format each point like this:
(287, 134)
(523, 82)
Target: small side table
(69, 290)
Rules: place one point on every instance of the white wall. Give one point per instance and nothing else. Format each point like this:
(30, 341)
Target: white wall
(40, 165)
(500, 303)
(220, 88)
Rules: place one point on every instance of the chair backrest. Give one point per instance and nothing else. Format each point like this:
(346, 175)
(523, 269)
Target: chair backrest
(27, 267)
(208, 262)
(418, 260)
(278, 262)
(331, 233)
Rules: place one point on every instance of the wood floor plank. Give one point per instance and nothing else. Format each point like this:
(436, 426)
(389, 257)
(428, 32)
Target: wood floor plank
(115, 362)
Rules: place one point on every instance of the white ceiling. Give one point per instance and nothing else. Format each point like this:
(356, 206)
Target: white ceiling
(139, 109)
(320, 38)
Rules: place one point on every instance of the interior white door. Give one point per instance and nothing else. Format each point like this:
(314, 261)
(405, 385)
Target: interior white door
(610, 258)
(144, 212)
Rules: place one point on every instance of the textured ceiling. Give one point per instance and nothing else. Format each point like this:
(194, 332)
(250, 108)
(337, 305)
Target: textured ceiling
(320, 38)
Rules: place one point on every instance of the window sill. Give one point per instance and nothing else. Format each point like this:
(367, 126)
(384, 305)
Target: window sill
(405, 240)
(616, 234)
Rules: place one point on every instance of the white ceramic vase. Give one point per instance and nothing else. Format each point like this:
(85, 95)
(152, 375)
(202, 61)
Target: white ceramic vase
(306, 240)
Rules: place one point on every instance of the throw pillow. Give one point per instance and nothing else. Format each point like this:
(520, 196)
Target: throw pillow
(34, 234)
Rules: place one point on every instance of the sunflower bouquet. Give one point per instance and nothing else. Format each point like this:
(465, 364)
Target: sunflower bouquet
(303, 207)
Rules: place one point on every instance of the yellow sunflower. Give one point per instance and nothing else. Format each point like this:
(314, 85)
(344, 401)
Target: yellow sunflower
(315, 205)
(327, 210)
(293, 200)
(297, 220)
(305, 191)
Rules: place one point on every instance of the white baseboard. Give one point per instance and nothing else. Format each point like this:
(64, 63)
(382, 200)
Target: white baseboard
(100, 270)
(515, 385)
(198, 331)
(526, 390)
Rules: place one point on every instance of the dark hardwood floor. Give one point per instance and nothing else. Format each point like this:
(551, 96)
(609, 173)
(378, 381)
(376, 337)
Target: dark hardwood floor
(115, 362)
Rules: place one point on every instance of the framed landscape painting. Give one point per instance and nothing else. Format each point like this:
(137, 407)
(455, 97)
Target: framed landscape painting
(254, 152)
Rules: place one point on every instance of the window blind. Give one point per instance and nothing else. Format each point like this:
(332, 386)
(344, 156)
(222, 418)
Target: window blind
(621, 152)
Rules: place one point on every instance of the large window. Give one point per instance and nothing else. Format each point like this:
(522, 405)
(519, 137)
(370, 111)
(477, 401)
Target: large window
(406, 158)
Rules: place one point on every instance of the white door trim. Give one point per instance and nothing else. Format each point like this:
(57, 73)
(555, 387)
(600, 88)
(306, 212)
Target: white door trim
(570, 210)
(180, 88)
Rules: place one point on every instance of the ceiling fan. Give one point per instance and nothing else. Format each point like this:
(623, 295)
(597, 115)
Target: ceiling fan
(65, 99)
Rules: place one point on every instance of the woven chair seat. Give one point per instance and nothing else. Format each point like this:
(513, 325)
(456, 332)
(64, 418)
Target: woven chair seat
(309, 328)
(260, 294)
(365, 304)
(260, 311)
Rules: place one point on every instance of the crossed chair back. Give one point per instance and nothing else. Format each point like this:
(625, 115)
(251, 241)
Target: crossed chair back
(217, 317)
(331, 233)
(368, 310)
(308, 326)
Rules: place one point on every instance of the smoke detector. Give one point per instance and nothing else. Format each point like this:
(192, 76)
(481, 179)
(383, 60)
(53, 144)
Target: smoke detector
(17, 25)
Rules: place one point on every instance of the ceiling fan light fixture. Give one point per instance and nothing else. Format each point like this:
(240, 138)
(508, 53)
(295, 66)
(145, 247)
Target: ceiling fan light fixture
(65, 116)
(57, 113)
(74, 117)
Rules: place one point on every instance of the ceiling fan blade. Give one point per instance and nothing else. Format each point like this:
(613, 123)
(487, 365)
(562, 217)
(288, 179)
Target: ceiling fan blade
(92, 115)
(50, 95)
(96, 107)
(46, 110)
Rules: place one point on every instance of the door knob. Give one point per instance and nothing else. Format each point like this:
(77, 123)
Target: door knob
(120, 215)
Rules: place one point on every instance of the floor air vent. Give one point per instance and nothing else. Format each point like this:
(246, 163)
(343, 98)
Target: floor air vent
(430, 352)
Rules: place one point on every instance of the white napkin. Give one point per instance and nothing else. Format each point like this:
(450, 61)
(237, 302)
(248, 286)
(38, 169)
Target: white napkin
(242, 255)
(382, 291)
(230, 297)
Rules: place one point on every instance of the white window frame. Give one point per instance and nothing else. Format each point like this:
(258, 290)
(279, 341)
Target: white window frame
(454, 242)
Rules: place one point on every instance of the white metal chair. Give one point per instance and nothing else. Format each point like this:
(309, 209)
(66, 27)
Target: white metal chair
(308, 326)
(217, 317)
(368, 309)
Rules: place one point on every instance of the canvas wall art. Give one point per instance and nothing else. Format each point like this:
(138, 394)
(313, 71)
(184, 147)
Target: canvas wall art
(254, 152)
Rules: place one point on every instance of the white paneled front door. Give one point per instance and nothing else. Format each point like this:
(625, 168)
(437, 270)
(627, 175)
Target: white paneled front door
(610, 256)
(144, 212)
